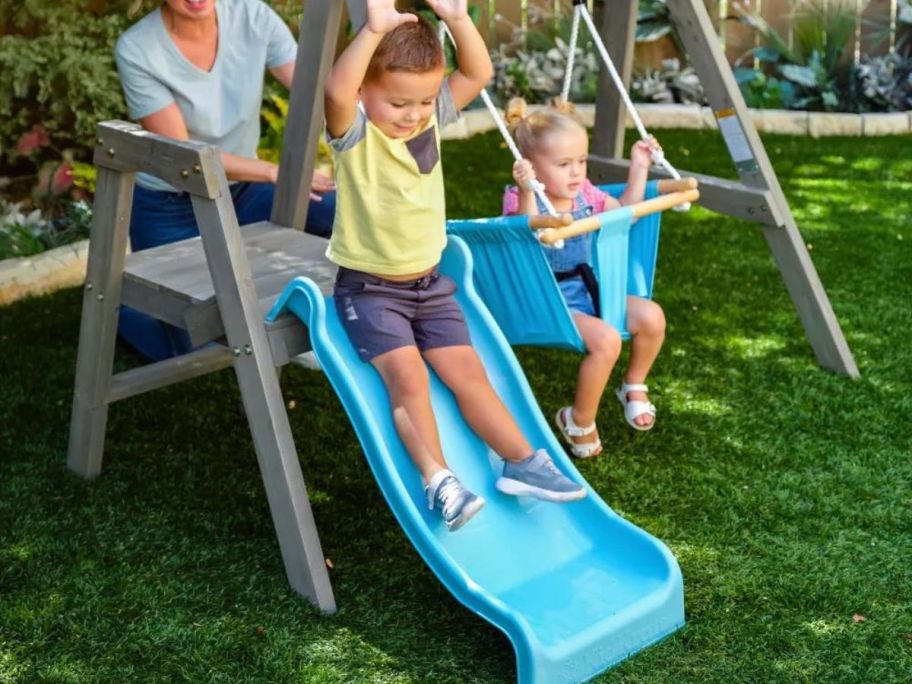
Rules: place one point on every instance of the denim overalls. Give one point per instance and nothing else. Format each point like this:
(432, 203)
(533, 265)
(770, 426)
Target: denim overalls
(570, 264)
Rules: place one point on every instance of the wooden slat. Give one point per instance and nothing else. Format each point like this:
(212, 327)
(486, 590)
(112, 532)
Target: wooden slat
(180, 268)
(719, 194)
(127, 147)
(169, 372)
(204, 322)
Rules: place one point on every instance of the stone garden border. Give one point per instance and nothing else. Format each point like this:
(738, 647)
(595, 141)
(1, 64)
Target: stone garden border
(65, 266)
(52, 270)
(693, 117)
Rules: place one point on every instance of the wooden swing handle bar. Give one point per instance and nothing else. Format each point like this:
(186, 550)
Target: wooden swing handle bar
(640, 209)
(666, 186)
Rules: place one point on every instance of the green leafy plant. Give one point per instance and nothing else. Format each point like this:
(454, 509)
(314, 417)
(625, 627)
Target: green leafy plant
(813, 73)
(669, 84)
(884, 84)
(761, 90)
(57, 62)
(274, 116)
(25, 232)
(532, 64)
(654, 22)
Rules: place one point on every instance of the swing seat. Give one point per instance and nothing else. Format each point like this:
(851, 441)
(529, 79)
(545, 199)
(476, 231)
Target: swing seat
(516, 283)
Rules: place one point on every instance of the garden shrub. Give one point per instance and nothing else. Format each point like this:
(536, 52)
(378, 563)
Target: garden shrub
(57, 61)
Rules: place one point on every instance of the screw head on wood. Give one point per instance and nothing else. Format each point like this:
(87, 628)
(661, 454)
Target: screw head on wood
(237, 352)
(185, 173)
(99, 141)
(248, 350)
(111, 152)
(100, 297)
(88, 286)
(197, 168)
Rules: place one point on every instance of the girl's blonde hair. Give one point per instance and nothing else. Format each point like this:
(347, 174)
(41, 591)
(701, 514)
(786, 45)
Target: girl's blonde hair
(530, 128)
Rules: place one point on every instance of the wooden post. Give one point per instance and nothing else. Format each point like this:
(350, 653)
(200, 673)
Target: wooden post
(619, 35)
(98, 328)
(246, 333)
(316, 49)
(755, 170)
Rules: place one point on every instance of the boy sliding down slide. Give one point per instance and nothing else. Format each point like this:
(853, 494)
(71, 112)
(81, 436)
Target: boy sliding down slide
(389, 234)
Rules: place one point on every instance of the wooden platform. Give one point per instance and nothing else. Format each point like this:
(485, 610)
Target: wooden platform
(172, 283)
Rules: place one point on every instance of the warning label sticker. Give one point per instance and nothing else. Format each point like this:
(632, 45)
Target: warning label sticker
(736, 140)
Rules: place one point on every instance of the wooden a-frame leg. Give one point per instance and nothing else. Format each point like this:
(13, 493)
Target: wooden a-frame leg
(755, 170)
(98, 328)
(289, 504)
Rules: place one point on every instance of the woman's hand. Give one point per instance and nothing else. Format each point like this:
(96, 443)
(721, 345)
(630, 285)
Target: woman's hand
(382, 16)
(321, 183)
(641, 152)
(524, 175)
(449, 10)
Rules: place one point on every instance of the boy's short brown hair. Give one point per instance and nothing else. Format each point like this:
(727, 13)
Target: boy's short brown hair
(413, 47)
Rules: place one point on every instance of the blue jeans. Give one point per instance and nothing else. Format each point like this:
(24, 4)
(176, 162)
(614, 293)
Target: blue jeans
(160, 218)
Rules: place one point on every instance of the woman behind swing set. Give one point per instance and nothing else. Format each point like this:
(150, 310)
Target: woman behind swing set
(555, 147)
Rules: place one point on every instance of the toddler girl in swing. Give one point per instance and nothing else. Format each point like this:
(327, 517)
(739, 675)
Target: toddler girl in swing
(555, 147)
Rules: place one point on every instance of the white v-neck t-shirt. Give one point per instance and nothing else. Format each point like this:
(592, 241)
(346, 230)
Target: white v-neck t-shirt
(220, 106)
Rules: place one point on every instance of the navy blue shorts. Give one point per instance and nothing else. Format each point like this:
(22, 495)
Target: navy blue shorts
(380, 315)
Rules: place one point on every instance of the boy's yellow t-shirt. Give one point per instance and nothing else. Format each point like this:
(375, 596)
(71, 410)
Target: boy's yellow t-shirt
(390, 206)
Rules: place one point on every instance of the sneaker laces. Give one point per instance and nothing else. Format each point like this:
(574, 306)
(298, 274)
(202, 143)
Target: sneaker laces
(447, 492)
(549, 464)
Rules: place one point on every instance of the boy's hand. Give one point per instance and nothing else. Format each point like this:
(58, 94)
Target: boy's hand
(524, 175)
(449, 10)
(641, 152)
(382, 16)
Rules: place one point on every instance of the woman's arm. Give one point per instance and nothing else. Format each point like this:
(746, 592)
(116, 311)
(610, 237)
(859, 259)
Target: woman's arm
(284, 74)
(169, 122)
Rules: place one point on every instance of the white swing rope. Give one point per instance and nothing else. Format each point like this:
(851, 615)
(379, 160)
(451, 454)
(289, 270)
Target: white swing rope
(579, 10)
(537, 186)
(571, 56)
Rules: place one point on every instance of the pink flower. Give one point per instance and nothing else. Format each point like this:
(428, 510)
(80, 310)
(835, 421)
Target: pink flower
(62, 179)
(34, 140)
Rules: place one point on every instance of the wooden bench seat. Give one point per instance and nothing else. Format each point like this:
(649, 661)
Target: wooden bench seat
(173, 283)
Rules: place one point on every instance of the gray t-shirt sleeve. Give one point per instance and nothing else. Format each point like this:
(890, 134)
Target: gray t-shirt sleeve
(445, 110)
(144, 93)
(281, 48)
(352, 136)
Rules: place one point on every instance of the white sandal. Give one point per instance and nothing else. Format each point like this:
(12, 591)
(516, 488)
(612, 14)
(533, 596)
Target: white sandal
(634, 409)
(564, 421)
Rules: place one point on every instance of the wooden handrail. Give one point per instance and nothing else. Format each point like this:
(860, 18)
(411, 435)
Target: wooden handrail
(668, 185)
(539, 221)
(640, 209)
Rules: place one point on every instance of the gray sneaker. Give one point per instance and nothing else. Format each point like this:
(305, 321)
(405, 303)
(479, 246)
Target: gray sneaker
(538, 476)
(456, 504)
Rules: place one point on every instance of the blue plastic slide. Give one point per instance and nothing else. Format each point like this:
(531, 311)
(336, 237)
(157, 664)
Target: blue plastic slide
(575, 587)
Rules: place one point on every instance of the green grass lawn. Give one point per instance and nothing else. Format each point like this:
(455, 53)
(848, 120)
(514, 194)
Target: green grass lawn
(783, 490)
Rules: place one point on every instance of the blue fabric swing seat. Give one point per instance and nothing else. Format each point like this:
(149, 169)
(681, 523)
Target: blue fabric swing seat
(517, 285)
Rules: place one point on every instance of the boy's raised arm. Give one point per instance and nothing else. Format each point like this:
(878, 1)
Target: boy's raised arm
(474, 63)
(344, 81)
